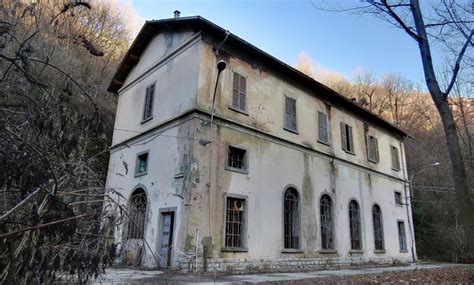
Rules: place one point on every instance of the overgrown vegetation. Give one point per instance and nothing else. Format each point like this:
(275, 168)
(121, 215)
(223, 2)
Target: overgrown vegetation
(56, 58)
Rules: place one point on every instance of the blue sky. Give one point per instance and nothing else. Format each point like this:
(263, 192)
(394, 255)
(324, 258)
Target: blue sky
(341, 42)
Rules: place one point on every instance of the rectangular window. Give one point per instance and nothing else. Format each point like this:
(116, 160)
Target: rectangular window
(290, 114)
(142, 164)
(235, 223)
(402, 239)
(149, 98)
(239, 92)
(398, 198)
(346, 138)
(372, 149)
(323, 133)
(237, 158)
(395, 158)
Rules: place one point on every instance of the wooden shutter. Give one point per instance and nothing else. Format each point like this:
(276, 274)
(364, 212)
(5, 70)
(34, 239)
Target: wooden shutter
(343, 136)
(322, 127)
(350, 147)
(235, 90)
(290, 113)
(376, 145)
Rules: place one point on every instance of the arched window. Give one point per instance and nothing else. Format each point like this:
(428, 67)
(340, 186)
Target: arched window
(354, 225)
(378, 227)
(291, 219)
(327, 226)
(136, 224)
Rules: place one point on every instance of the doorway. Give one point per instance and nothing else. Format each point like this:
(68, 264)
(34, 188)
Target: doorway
(166, 238)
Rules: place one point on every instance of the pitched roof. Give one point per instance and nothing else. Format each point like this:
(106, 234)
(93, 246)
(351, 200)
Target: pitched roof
(198, 23)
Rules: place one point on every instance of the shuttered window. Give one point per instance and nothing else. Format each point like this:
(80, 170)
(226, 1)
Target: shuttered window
(347, 141)
(323, 134)
(402, 239)
(395, 158)
(290, 114)
(149, 98)
(372, 149)
(239, 92)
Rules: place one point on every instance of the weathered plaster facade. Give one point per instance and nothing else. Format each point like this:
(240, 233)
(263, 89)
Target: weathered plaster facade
(187, 158)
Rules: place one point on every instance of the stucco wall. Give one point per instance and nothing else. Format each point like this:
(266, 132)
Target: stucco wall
(175, 74)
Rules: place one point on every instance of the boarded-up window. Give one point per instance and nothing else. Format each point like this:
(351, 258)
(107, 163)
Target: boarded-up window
(395, 158)
(327, 226)
(347, 142)
(372, 149)
(136, 224)
(323, 133)
(149, 98)
(378, 227)
(239, 91)
(235, 223)
(237, 158)
(354, 225)
(402, 239)
(290, 114)
(291, 219)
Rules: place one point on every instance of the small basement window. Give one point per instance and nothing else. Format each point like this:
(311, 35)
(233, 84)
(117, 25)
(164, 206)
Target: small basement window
(142, 164)
(237, 159)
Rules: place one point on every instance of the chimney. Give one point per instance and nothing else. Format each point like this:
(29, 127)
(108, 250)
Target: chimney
(176, 14)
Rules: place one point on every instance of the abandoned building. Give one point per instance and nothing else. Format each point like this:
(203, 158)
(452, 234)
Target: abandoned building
(226, 158)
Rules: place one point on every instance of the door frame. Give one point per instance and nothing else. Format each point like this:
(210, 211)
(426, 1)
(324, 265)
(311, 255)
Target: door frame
(158, 237)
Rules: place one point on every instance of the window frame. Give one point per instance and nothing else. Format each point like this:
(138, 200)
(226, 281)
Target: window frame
(357, 224)
(402, 239)
(397, 166)
(298, 221)
(231, 105)
(326, 117)
(243, 248)
(150, 117)
(137, 163)
(376, 150)
(285, 127)
(246, 160)
(381, 249)
(331, 249)
(347, 138)
(400, 204)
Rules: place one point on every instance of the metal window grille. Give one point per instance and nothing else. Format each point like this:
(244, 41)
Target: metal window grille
(354, 225)
(401, 236)
(323, 127)
(148, 111)
(291, 219)
(234, 229)
(378, 227)
(136, 224)
(327, 227)
(239, 91)
(290, 114)
(236, 158)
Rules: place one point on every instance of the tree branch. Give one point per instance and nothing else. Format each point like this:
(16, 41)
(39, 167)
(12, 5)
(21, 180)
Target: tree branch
(394, 15)
(457, 64)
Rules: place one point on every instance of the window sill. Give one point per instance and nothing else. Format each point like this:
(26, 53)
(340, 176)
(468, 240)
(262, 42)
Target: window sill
(324, 143)
(380, 251)
(328, 251)
(291, 131)
(373, 161)
(292, 250)
(403, 251)
(395, 169)
(238, 170)
(238, 110)
(234, 249)
(140, 174)
(356, 251)
(399, 205)
(146, 120)
(349, 152)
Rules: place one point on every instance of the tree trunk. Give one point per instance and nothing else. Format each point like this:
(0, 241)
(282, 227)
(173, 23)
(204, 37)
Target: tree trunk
(461, 185)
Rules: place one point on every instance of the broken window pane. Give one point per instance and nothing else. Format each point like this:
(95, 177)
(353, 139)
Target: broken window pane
(291, 219)
(354, 222)
(378, 227)
(234, 229)
(327, 227)
(137, 217)
(237, 158)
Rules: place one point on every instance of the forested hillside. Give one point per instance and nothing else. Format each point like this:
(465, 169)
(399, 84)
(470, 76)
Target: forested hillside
(56, 122)
(400, 101)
